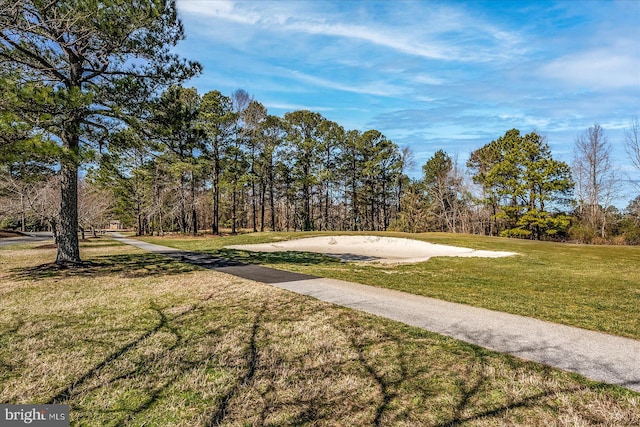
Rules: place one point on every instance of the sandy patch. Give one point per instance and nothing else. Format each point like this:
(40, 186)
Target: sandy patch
(386, 250)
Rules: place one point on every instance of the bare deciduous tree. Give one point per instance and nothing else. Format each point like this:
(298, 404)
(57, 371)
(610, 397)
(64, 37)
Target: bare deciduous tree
(595, 177)
(46, 202)
(632, 146)
(93, 206)
(17, 194)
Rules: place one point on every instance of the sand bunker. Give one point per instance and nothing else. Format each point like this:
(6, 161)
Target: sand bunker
(386, 250)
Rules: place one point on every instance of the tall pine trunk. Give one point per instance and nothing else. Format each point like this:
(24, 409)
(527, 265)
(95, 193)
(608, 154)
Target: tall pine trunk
(194, 212)
(234, 216)
(272, 204)
(254, 207)
(215, 227)
(263, 196)
(68, 246)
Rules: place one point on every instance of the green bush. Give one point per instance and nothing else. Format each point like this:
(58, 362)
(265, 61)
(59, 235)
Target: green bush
(581, 233)
(8, 224)
(518, 232)
(630, 230)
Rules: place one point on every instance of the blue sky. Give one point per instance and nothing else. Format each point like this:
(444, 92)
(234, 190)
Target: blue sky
(430, 75)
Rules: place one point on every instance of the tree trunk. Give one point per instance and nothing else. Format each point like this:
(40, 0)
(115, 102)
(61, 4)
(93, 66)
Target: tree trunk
(194, 213)
(54, 230)
(306, 208)
(354, 203)
(254, 208)
(23, 215)
(326, 208)
(272, 203)
(385, 219)
(183, 207)
(263, 196)
(68, 247)
(233, 210)
(215, 227)
(139, 216)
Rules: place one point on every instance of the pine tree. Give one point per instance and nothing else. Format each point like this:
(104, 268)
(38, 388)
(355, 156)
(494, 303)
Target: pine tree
(91, 66)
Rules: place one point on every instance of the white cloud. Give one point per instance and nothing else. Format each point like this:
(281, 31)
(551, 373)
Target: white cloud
(392, 39)
(428, 80)
(432, 33)
(294, 107)
(378, 88)
(601, 68)
(223, 9)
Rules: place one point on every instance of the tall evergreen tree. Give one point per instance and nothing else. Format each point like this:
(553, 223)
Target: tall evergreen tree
(381, 164)
(92, 65)
(254, 117)
(436, 177)
(328, 156)
(304, 133)
(272, 134)
(351, 171)
(216, 119)
(175, 125)
(520, 178)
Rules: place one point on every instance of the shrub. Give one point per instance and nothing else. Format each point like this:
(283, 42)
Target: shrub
(582, 234)
(518, 232)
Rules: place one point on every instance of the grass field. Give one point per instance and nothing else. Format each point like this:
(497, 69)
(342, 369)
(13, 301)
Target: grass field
(592, 287)
(139, 339)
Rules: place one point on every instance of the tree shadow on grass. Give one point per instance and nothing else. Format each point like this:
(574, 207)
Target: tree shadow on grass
(386, 357)
(475, 387)
(144, 369)
(217, 417)
(178, 262)
(127, 265)
(388, 386)
(287, 257)
(100, 244)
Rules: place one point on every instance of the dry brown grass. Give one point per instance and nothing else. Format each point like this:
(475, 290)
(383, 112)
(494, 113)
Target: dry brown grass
(143, 340)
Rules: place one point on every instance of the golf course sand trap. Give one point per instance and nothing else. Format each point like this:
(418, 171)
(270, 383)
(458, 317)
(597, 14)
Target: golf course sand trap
(386, 250)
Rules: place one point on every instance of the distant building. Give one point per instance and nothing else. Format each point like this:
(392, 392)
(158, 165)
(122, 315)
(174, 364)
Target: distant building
(115, 224)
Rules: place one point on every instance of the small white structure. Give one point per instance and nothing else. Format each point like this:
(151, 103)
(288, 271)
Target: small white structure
(115, 224)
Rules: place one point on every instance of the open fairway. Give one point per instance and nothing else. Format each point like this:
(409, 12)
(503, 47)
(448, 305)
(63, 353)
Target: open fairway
(592, 287)
(145, 340)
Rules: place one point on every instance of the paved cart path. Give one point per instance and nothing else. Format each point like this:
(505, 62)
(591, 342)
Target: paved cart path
(26, 238)
(602, 357)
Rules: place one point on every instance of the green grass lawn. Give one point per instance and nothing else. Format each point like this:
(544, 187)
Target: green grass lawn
(139, 339)
(592, 287)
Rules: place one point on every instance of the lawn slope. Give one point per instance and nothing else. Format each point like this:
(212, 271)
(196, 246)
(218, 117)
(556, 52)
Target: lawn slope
(139, 339)
(591, 287)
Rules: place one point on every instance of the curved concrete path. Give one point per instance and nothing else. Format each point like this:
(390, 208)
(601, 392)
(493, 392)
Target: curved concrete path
(26, 238)
(601, 357)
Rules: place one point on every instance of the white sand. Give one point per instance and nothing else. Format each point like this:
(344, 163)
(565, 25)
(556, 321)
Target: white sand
(386, 250)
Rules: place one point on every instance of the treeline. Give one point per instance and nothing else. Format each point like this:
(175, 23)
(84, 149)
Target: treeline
(212, 163)
(215, 161)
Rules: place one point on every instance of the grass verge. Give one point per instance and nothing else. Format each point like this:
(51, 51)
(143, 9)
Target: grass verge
(139, 339)
(592, 287)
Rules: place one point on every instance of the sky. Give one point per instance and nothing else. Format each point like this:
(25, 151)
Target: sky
(430, 75)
